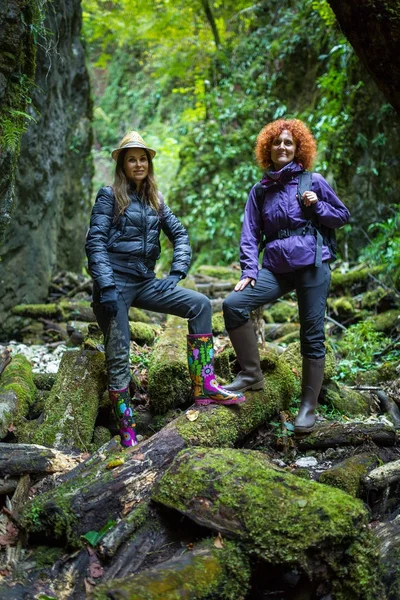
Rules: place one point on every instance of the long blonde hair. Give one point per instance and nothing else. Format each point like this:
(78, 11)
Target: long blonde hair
(121, 186)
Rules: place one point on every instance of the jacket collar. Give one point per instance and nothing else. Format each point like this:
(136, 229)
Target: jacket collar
(284, 175)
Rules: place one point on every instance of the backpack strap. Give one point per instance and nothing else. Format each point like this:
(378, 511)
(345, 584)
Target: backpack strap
(260, 196)
(304, 185)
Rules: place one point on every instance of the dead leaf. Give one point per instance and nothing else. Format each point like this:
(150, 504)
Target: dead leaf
(115, 463)
(95, 568)
(192, 415)
(219, 542)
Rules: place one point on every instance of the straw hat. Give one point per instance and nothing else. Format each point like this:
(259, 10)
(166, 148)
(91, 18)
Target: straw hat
(132, 140)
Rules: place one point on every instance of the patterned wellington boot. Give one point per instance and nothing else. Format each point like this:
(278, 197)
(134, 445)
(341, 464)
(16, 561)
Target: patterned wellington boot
(123, 411)
(201, 369)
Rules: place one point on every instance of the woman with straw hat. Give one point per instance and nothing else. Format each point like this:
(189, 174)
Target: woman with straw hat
(122, 247)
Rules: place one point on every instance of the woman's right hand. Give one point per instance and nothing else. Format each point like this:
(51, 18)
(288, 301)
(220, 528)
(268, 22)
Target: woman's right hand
(243, 283)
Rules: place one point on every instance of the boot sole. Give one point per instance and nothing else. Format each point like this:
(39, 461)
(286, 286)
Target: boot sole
(251, 387)
(301, 430)
(227, 402)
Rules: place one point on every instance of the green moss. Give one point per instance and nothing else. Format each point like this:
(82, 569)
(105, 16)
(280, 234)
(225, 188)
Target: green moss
(347, 401)
(218, 323)
(205, 573)
(17, 378)
(44, 381)
(348, 474)
(224, 273)
(344, 281)
(283, 312)
(137, 314)
(72, 405)
(142, 333)
(101, 436)
(46, 556)
(343, 307)
(275, 515)
(386, 321)
(372, 298)
(169, 382)
(49, 311)
(223, 426)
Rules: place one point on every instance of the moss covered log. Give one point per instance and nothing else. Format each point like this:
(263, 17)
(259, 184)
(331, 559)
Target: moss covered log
(203, 573)
(71, 407)
(349, 474)
(276, 516)
(169, 381)
(109, 493)
(17, 393)
(348, 401)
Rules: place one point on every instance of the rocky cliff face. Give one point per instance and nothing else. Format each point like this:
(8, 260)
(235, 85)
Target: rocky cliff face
(53, 179)
(17, 66)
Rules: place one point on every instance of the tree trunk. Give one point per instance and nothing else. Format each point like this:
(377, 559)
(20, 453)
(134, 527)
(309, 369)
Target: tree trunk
(373, 29)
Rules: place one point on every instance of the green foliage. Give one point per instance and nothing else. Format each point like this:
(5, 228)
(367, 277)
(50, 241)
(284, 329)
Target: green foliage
(94, 537)
(158, 68)
(357, 348)
(384, 248)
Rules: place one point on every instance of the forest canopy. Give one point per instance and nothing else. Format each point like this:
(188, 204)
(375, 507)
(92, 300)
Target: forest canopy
(199, 79)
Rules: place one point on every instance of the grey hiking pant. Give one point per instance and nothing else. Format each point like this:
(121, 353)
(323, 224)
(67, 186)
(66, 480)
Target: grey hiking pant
(143, 293)
(312, 288)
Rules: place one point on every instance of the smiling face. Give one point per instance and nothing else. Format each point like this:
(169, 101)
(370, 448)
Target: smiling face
(136, 165)
(283, 150)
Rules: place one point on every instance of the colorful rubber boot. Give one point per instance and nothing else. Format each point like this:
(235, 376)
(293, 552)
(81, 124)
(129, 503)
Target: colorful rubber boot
(123, 411)
(201, 369)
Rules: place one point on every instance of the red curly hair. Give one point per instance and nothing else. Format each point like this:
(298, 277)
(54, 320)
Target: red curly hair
(306, 147)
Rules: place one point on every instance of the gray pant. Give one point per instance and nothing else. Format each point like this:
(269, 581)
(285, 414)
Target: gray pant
(143, 293)
(312, 288)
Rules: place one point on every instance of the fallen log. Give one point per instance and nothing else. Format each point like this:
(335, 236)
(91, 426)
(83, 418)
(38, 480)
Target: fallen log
(383, 476)
(16, 459)
(17, 393)
(331, 435)
(113, 483)
(64, 310)
(71, 407)
(349, 474)
(387, 534)
(201, 573)
(390, 407)
(275, 515)
(169, 381)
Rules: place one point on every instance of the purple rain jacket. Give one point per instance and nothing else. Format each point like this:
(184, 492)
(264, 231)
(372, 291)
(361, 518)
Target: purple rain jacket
(282, 210)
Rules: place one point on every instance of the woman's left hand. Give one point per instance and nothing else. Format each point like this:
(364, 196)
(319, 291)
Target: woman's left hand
(309, 198)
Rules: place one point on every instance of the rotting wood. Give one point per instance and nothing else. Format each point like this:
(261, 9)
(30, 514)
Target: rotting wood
(331, 435)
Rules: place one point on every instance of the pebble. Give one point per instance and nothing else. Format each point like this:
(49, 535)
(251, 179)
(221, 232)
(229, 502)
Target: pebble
(306, 462)
(42, 358)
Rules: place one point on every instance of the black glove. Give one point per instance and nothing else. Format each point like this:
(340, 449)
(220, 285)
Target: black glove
(108, 302)
(168, 284)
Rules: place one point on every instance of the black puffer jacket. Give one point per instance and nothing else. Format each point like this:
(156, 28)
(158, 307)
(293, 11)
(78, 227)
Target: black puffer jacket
(132, 244)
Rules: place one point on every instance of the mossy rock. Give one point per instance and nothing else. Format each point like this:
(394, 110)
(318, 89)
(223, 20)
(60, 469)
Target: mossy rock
(284, 312)
(349, 402)
(223, 273)
(348, 475)
(142, 333)
(275, 515)
(218, 323)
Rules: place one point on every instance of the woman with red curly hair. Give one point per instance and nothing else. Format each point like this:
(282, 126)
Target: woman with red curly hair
(296, 257)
